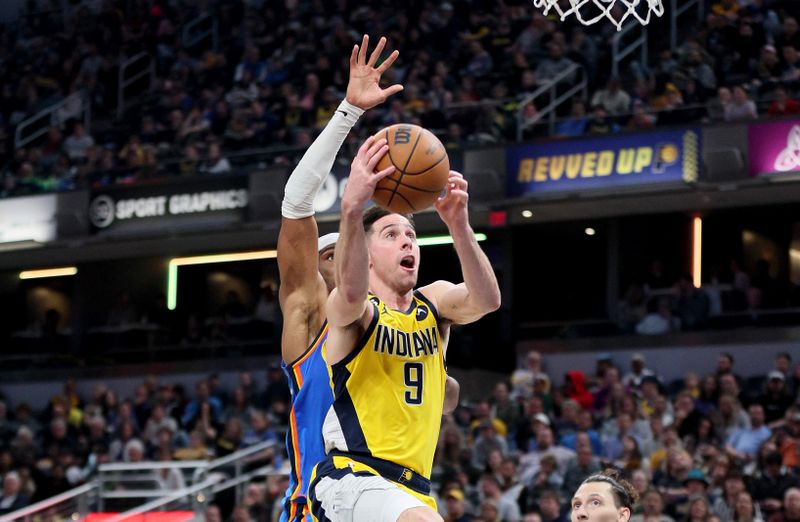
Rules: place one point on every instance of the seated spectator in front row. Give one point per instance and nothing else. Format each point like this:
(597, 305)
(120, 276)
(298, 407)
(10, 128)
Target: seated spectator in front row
(12, 499)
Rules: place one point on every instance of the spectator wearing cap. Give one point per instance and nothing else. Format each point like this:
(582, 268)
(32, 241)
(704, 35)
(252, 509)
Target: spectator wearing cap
(768, 68)
(522, 378)
(775, 400)
(791, 507)
(456, 506)
(771, 483)
(743, 443)
(486, 441)
(639, 370)
(695, 486)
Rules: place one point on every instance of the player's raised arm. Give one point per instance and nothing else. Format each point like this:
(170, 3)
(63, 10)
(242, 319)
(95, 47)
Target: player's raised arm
(348, 301)
(479, 294)
(301, 285)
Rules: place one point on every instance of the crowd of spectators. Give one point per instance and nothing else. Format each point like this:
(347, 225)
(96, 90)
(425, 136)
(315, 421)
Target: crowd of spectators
(280, 68)
(716, 447)
(702, 448)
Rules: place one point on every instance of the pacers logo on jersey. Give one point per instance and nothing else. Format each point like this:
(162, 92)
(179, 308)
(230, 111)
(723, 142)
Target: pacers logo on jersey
(410, 345)
(422, 312)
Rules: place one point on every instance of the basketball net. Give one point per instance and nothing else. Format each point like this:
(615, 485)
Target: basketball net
(591, 11)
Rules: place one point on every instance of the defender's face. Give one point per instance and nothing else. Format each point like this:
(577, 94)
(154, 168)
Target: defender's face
(394, 253)
(326, 267)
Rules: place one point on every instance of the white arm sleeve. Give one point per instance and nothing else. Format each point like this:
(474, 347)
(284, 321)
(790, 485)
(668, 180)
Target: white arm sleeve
(315, 165)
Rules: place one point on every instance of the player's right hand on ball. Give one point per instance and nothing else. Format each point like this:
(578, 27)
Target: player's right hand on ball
(363, 178)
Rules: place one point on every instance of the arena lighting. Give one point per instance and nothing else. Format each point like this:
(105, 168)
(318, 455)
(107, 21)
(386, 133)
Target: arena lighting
(697, 251)
(174, 264)
(48, 272)
(172, 275)
(589, 231)
(527, 214)
(443, 240)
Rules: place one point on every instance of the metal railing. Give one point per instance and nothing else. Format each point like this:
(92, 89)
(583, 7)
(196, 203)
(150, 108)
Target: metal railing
(131, 71)
(621, 50)
(555, 96)
(203, 27)
(71, 505)
(676, 10)
(126, 483)
(32, 128)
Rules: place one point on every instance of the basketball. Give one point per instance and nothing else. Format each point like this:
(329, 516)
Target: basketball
(422, 169)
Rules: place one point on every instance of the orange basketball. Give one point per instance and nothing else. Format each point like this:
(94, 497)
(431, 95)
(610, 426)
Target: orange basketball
(422, 169)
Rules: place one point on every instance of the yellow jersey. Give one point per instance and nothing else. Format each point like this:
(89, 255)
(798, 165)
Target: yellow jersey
(388, 392)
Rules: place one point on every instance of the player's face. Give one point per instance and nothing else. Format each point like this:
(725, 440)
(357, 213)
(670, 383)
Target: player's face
(394, 253)
(594, 502)
(326, 267)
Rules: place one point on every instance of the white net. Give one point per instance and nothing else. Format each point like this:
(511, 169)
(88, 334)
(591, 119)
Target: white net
(592, 11)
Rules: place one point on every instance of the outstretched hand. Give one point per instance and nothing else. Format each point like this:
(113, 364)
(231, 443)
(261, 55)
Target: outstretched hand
(363, 88)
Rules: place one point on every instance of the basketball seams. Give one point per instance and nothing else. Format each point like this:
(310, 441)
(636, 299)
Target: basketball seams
(444, 157)
(402, 171)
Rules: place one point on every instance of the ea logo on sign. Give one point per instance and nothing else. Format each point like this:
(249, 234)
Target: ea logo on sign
(101, 211)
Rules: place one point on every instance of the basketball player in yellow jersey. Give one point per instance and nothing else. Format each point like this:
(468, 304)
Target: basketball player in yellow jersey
(386, 348)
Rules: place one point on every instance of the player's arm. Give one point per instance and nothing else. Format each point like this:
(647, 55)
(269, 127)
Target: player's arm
(347, 305)
(451, 392)
(479, 294)
(301, 283)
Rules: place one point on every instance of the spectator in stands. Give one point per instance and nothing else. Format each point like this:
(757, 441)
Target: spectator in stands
(692, 304)
(699, 509)
(791, 507)
(772, 483)
(653, 509)
(575, 125)
(555, 64)
(214, 162)
(600, 122)
(746, 510)
(741, 107)
(743, 443)
(575, 389)
(639, 370)
(13, 498)
(503, 407)
(77, 142)
(613, 98)
(790, 36)
(640, 119)
(775, 399)
(768, 68)
(202, 396)
(489, 488)
(783, 105)
(455, 506)
(659, 319)
(523, 378)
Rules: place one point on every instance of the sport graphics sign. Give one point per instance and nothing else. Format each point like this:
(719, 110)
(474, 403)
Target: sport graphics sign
(604, 162)
(774, 147)
(179, 204)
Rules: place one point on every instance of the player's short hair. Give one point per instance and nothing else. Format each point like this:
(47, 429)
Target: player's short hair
(375, 212)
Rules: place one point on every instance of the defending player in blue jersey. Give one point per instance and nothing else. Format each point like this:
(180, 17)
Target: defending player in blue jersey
(304, 262)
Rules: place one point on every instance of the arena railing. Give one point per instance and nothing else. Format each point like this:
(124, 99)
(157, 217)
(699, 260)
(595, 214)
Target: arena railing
(76, 105)
(118, 486)
(131, 72)
(677, 9)
(621, 47)
(71, 505)
(558, 91)
(203, 27)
